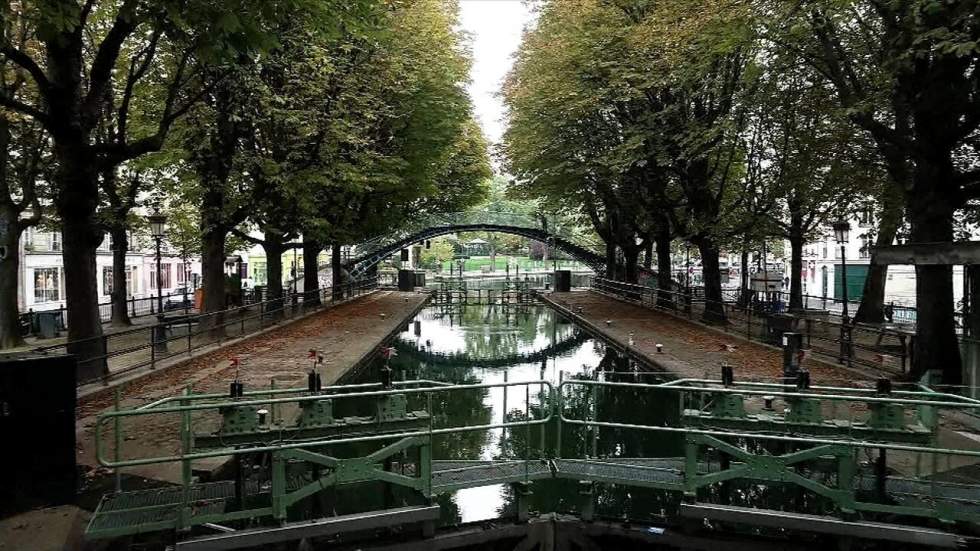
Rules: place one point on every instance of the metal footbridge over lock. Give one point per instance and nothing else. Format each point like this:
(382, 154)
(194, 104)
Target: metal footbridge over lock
(539, 228)
(286, 444)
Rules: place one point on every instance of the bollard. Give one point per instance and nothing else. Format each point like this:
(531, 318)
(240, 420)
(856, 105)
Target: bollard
(160, 335)
(792, 354)
(727, 375)
(803, 380)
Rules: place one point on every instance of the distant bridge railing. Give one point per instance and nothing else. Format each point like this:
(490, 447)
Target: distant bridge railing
(545, 224)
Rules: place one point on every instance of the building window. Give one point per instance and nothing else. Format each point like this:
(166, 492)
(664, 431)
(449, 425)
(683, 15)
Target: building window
(825, 249)
(865, 250)
(153, 278)
(107, 280)
(55, 241)
(258, 273)
(865, 218)
(29, 239)
(106, 244)
(181, 273)
(165, 283)
(131, 280)
(46, 285)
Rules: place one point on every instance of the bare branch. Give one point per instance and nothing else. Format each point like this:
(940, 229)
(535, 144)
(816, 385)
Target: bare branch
(26, 109)
(23, 60)
(138, 67)
(101, 73)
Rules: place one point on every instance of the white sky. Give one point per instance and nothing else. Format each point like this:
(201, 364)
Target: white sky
(495, 28)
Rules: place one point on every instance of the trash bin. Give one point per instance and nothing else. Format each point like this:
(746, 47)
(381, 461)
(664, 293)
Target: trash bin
(563, 281)
(776, 325)
(48, 324)
(199, 299)
(406, 280)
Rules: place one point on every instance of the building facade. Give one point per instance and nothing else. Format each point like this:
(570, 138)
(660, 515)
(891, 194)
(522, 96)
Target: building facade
(42, 277)
(822, 267)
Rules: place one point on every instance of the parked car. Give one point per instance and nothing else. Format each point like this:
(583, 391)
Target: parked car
(181, 298)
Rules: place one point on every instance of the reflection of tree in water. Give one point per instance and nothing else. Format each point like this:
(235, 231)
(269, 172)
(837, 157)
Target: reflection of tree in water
(493, 332)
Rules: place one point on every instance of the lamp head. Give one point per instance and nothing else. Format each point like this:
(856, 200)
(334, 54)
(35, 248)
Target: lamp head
(842, 229)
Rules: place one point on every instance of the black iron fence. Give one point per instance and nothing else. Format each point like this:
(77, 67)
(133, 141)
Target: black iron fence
(177, 333)
(759, 317)
(136, 307)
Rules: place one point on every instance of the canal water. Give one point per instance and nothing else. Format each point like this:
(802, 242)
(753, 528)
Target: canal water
(496, 343)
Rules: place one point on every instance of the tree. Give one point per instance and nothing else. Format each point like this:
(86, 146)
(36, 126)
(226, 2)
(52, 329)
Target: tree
(806, 162)
(395, 151)
(23, 159)
(78, 55)
(906, 72)
(565, 140)
(436, 254)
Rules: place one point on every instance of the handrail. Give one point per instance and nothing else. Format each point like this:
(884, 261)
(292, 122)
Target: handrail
(751, 315)
(106, 416)
(687, 430)
(273, 310)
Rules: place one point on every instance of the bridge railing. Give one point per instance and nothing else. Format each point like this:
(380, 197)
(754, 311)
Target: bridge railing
(732, 432)
(545, 224)
(786, 434)
(756, 318)
(176, 335)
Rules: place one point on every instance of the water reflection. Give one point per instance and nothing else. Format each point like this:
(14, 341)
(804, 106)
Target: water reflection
(493, 344)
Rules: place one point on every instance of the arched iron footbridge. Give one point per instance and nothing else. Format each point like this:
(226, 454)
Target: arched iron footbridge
(539, 228)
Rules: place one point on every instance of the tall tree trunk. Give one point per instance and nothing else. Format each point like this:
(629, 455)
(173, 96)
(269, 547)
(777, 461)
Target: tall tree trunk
(631, 257)
(81, 235)
(336, 269)
(10, 231)
(213, 275)
(714, 310)
(743, 295)
(273, 247)
(936, 346)
(311, 272)
(665, 270)
(120, 243)
(213, 163)
(611, 263)
(872, 307)
(796, 269)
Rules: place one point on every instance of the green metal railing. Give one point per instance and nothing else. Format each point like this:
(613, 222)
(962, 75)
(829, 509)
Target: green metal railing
(736, 423)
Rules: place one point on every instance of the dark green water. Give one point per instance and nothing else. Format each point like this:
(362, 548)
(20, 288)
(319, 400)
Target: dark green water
(493, 344)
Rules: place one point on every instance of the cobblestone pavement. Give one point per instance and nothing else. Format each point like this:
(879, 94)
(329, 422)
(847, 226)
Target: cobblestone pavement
(344, 335)
(691, 349)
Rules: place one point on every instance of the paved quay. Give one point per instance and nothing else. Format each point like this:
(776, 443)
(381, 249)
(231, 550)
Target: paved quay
(690, 349)
(346, 335)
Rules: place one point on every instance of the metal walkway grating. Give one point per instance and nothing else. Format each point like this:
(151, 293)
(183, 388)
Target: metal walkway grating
(158, 508)
(166, 496)
(455, 475)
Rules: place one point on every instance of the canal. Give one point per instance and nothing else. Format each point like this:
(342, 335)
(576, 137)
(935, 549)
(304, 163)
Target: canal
(510, 343)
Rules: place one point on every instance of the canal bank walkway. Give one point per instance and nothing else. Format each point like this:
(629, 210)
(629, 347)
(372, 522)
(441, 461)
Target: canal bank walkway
(690, 349)
(347, 336)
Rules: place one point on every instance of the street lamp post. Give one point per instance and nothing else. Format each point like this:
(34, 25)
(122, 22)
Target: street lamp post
(158, 224)
(842, 229)
(687, 278)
